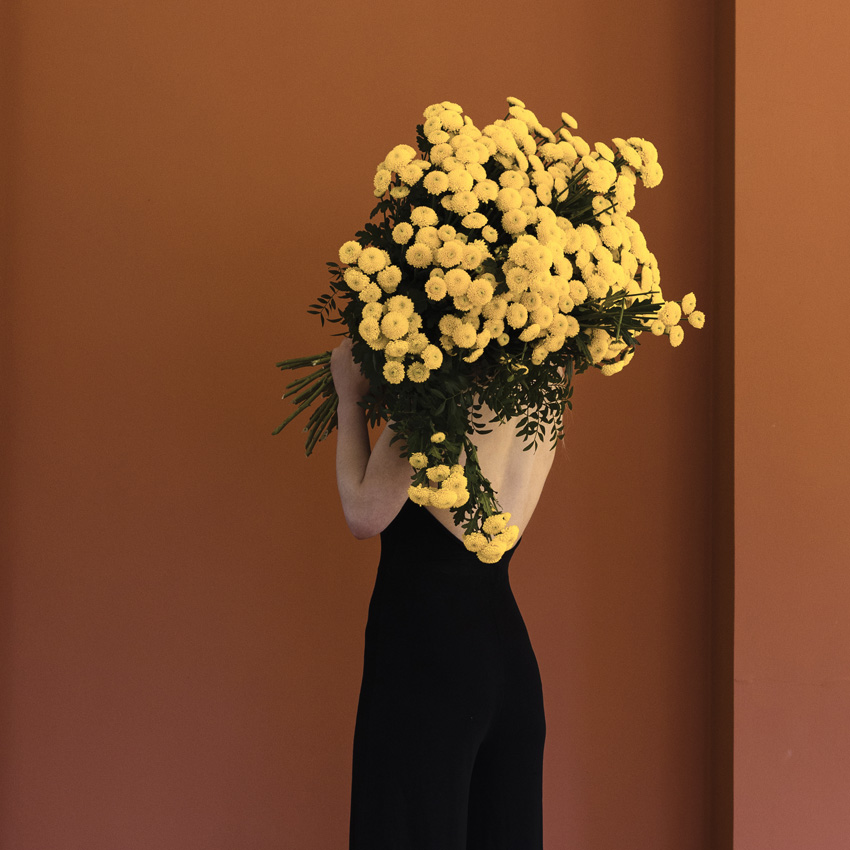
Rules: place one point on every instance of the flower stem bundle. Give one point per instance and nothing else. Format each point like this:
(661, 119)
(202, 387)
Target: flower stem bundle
(504, 262)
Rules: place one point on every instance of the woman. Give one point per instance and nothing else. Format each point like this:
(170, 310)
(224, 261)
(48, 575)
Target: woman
(448, 743)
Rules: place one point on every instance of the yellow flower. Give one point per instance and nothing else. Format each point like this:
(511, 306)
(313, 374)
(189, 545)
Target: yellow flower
(373, 310)
(474, 254)
(448, 323)
(417, 342)
(349, 252)
(394, 326)
(443, 498)
(569, 120)
(372, 260)
(435, 288)
(503, 339)
(457, 282)
(418, 372)
(399, 156)
(531, 332)
(411, 174)
(657, 327)
(514, 221)
(652, 175)
(419, 494)
(402, 233)
(696, 318)
(516, 315)
(460, 180)
(677, 334)
(389, 278)
(492, 552)
(490, 233)
(418, 460)
(688, 303)
(474, 541)
(439, 437)
(355, 279)
(474, 221)
(399, 191)
(369, 329)
(480, 292)
(370, 292)
(432, 357)
(670, 313)
(438, 473)
(382, 180)
(496, 523)
(419, 255)
(464, 335)
(462, 497)
(397, 348)
(508, 199)
(436, 182)
(450, 254)
(423, 216)
(464, 203)
(401, 304)
(393, 372)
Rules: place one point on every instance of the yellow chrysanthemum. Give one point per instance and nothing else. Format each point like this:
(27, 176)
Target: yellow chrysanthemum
(474, 541)
(432, 357)
(402, 233)
(394, 326)
(464, 203)
(464, 335)
(490, 233)
(457, 282)
(460, 180)
(569, 120)
(688, 303)
(418, 372)
(349, 252)
(677, 334)
(435, 288)
(372, 260)
(400, 304)
(516, 315)
(370, 292)
(397, 348)
(399, 156)
(657, 327)
(448, 323)
(696, 318)
(389, 278)
(423, 216)
(373, 310)
(419, 255)
(417, 342)
(496, 523)
(418, 460)
(369, 329)
(393, 372)
(479, 292)
(355, 279)
(530, 332)
(419, 494)
(382, 180)
(438, 473)
(443, 498)
(474, 221)
(450, 254)
(436, 182)
(439, 436)
(514, 221)
(492, 552)
(670, 313)
(411, 174)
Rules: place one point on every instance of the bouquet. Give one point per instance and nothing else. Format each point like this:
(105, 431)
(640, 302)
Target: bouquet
(504, 262)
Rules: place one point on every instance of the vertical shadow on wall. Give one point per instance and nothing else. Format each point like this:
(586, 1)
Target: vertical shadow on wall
(721, 799)
(8, 57)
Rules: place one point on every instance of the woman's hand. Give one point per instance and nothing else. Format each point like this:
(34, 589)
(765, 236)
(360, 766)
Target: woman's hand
(350, 383)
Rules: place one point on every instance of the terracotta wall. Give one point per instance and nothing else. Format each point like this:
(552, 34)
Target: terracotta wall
(792, 420)
(183, 608)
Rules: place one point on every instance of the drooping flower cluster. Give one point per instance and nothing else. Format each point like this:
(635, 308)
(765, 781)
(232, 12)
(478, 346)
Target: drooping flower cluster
(506, 262)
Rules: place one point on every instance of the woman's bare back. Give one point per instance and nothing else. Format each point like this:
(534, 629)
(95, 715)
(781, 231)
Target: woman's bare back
(517, 476)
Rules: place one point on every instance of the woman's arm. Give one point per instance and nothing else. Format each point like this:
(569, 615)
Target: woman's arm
(372, 483)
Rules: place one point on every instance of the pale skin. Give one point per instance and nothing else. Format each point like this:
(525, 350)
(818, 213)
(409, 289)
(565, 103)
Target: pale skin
(373, 482)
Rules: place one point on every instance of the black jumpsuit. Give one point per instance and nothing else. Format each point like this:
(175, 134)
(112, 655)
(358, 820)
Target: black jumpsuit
(448, 742)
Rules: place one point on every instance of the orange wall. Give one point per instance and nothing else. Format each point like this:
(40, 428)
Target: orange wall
(792, 475)
(183, 609)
